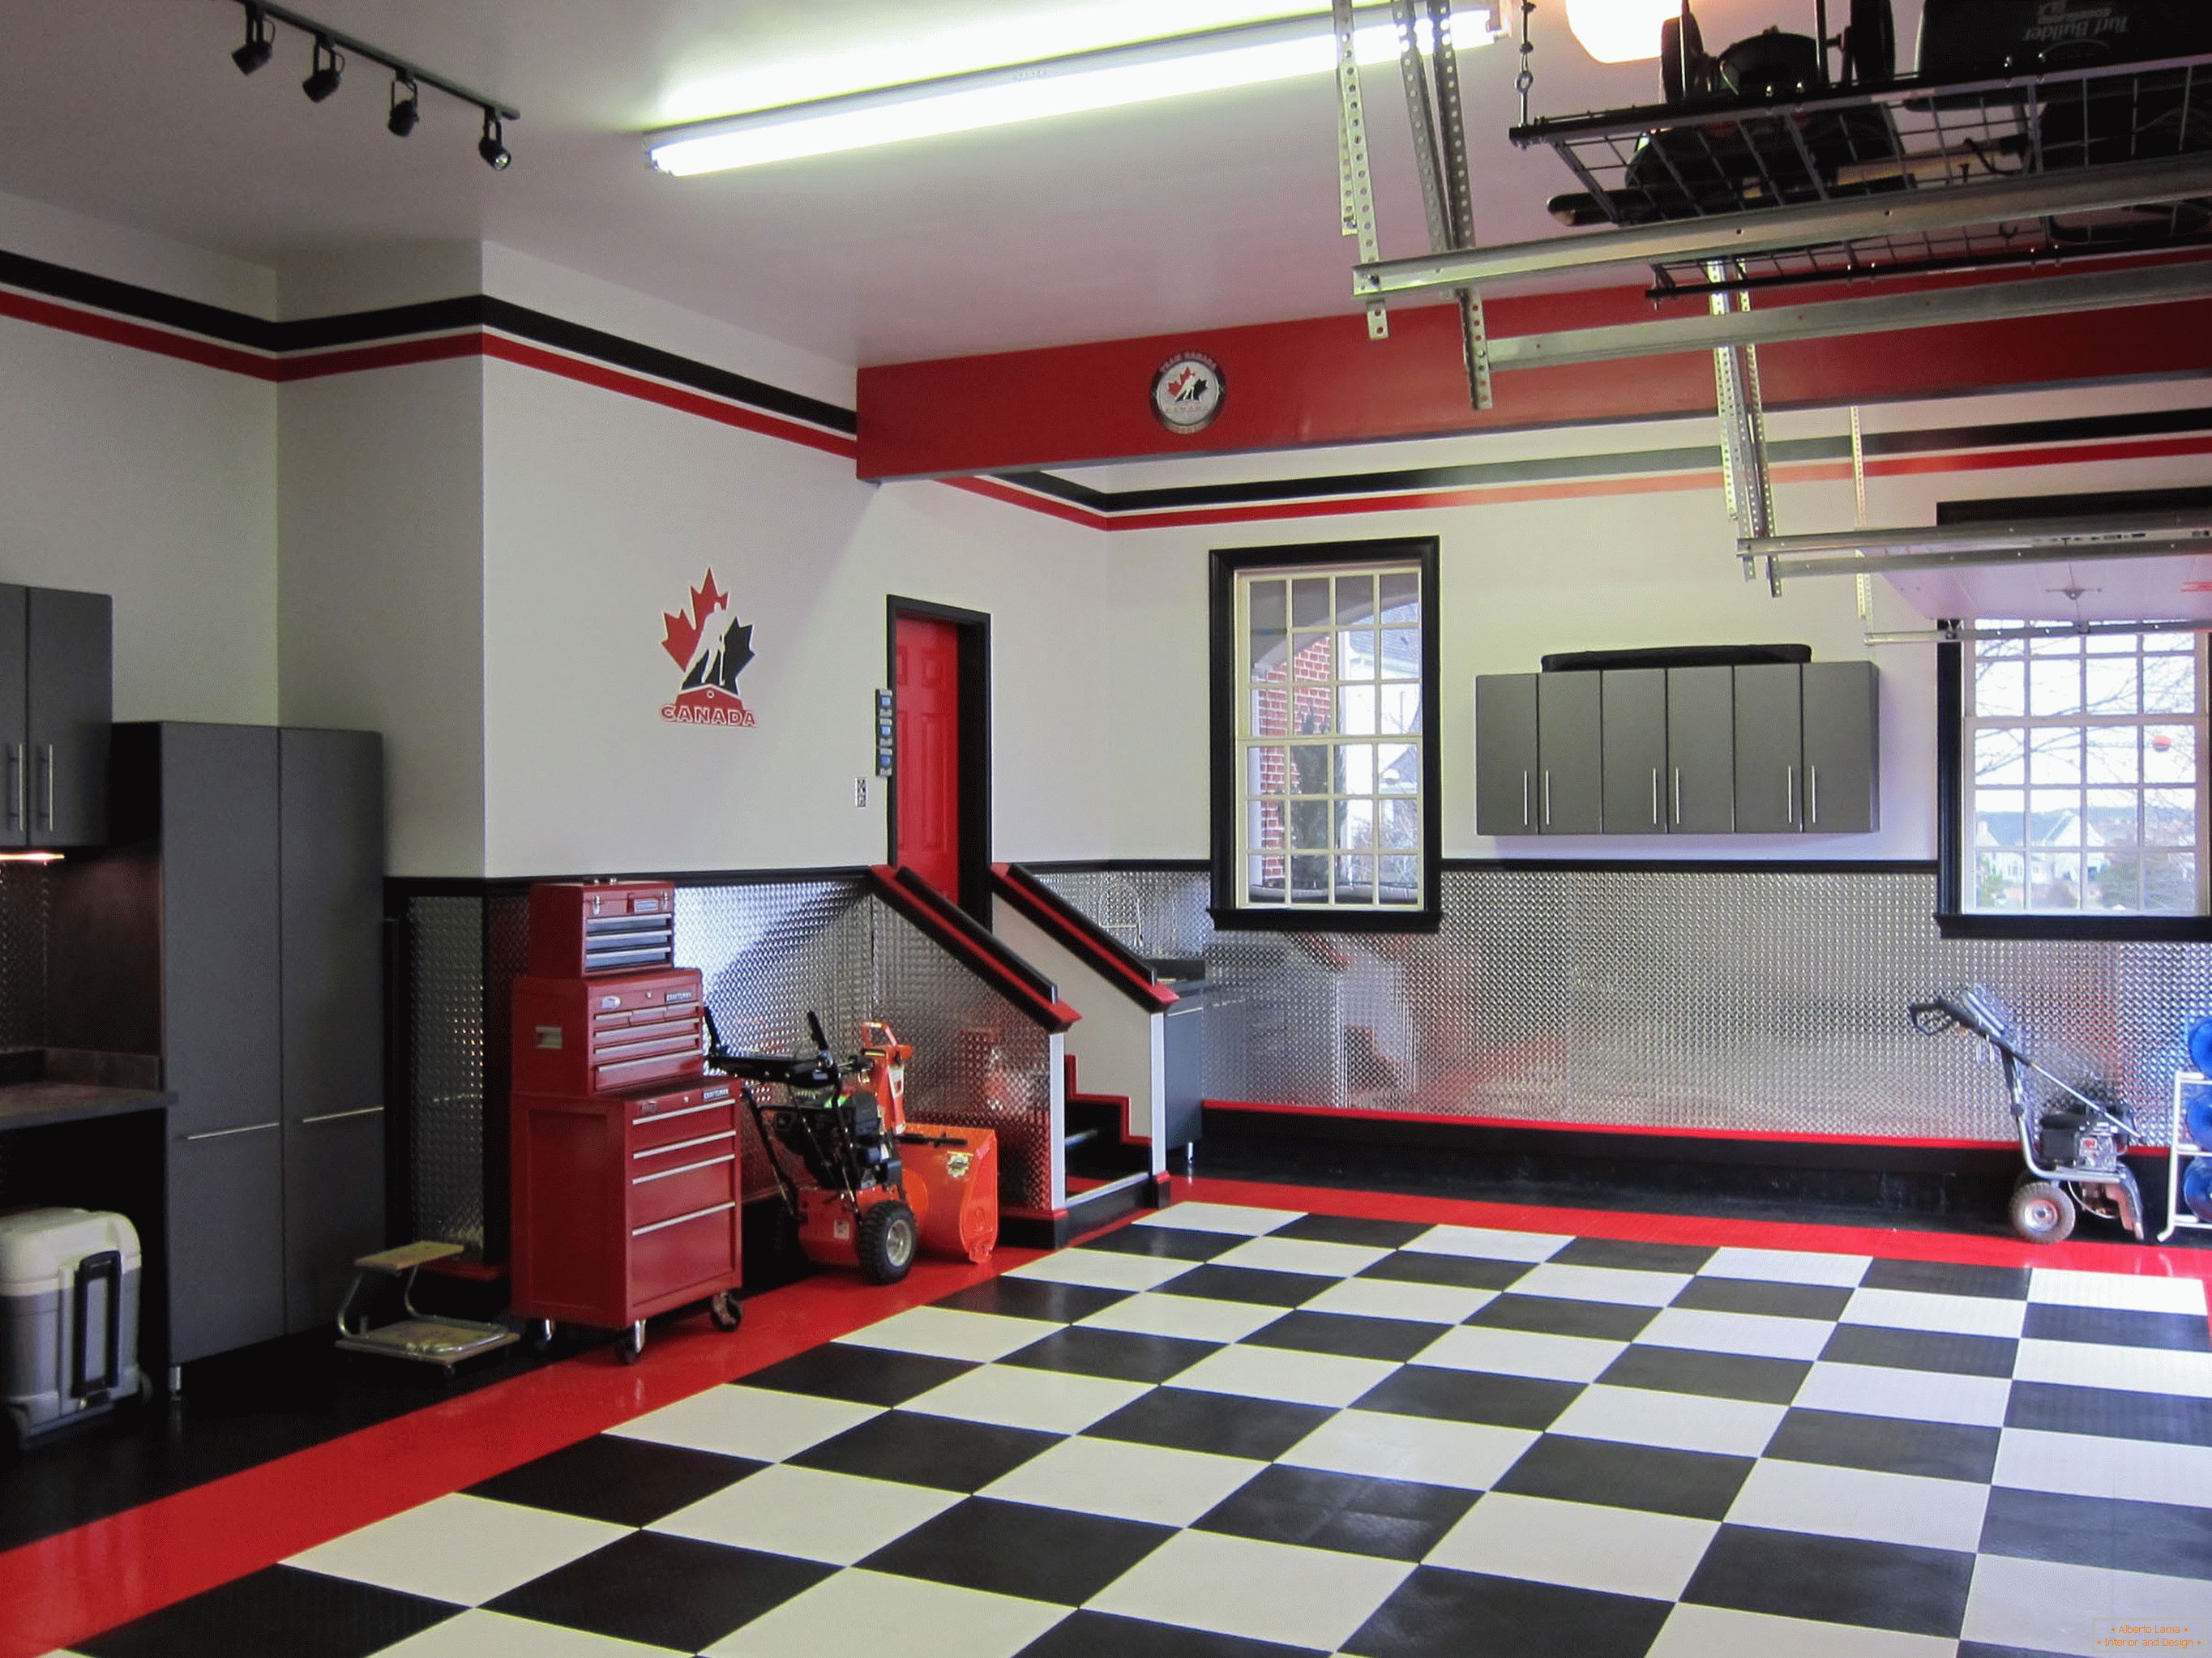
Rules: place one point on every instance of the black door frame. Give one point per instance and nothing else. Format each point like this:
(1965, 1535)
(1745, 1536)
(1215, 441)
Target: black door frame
(973, 627)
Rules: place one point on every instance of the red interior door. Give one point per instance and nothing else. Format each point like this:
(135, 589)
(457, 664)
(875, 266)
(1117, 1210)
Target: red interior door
(928, 760)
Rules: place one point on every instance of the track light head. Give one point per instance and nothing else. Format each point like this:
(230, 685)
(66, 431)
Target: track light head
(492, 146)
(406, 111)
(330, 68)
(260, 37)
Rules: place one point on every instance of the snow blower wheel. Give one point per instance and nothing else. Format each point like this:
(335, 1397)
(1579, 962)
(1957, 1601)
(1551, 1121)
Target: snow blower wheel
(886, 1241)
(2042, 1212)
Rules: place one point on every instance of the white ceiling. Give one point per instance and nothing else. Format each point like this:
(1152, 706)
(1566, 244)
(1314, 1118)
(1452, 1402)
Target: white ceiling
(1204, 212)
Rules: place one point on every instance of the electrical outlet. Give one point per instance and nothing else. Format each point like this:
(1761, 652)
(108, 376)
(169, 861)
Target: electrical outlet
(860, 791)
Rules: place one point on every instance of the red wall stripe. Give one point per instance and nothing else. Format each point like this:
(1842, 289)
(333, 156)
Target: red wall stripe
(1322, 381)
(142, 337)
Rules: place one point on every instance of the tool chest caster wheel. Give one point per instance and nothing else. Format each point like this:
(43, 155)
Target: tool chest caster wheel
(541, 1333)
(2042, 1212)
(886, 1242)
(630, 1346)
(725, 1313)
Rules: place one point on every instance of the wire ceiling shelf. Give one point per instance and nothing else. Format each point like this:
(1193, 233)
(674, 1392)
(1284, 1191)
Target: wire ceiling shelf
(1716, 158)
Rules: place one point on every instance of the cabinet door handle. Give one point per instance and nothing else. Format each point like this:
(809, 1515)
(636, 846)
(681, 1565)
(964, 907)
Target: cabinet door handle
(16, 785)
(1547, 797)
(1655, 797)
(1678, 797)
(46, 759)
(1524, 799)
(1813, 795)
(225, 1134)
(341, 1116)
(1790, 795)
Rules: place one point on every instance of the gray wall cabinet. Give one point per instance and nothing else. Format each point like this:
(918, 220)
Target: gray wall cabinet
(1635, 742)
(236, 926)
(57, 674)
(1505, 763)
(1570, 748)
(1765, 750)
(1770, 750)
(1842, 743)
(1701, 750)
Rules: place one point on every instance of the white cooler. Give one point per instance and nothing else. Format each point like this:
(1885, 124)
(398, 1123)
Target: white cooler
(69, 1314)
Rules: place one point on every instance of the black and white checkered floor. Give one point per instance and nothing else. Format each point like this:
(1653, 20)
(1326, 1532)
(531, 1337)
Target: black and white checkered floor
(1233, 1430)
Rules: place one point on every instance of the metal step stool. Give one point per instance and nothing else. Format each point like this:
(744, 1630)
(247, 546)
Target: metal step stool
(443, 1341)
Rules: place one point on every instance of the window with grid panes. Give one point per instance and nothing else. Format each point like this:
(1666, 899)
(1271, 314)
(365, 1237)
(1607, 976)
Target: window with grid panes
(2083, 768)
(1329, 738)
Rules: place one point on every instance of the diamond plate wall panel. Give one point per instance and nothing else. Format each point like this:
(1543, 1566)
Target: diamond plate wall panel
(978, 1061)
(24, 893)
(1760, 1001)
(446, 1117)
(771, 954)
(1155, 912)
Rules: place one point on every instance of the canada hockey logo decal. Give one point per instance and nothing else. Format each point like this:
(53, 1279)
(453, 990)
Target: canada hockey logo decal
(712, 647)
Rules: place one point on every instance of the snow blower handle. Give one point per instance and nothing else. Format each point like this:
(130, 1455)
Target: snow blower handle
(821, 1037)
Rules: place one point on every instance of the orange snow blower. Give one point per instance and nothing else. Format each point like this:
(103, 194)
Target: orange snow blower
(871, 1189)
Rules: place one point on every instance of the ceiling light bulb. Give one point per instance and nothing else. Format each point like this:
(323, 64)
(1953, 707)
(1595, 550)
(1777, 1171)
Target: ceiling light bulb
(329, 70)
(1621, 31)
(259, 36)
(405, 111)
(492, 146)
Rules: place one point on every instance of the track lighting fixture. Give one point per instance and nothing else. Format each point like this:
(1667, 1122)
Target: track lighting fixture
(260, 42)
(332, 47)
(493, 145)
(330, 68)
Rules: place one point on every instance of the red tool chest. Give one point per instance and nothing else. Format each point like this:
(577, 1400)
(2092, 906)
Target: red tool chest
(618, 1030)
(578, 928)
(625, 1174)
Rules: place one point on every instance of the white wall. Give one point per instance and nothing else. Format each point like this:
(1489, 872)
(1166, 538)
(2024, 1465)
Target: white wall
(382, 590)
(1522, 579)
(146, 477)
(602, 512)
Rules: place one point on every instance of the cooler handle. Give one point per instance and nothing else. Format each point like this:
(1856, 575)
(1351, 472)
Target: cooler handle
(106, 1265)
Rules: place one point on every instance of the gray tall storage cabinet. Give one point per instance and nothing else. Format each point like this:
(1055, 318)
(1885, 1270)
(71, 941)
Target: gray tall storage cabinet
(267, 846)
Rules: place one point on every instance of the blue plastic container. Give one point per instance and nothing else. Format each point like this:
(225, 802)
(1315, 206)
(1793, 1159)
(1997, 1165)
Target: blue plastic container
(2196, 1118)
(2199, 1046)
(2196, 1188)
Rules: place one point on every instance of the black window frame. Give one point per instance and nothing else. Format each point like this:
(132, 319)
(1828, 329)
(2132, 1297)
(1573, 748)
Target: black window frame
(1953, 919)
(1224, 564)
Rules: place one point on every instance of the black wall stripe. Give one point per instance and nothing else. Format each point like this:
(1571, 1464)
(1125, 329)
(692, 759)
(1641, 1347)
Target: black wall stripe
(399, 322)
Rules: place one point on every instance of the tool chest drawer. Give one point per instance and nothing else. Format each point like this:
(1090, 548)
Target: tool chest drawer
(610, 926)
(677, 1179)
(698, 1247)
(657, 1118)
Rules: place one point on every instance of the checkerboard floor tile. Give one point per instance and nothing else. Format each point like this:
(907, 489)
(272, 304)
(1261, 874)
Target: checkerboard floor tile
(1243, 1432)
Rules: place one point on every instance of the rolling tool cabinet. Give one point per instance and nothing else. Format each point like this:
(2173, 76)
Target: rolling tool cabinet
(626, 1167)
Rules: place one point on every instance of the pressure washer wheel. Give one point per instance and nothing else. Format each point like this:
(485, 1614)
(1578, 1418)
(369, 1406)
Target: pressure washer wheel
(886, 1241)
(2042, 1212)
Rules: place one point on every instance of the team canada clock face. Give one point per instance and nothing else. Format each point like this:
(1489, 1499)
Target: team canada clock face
(1187, 392)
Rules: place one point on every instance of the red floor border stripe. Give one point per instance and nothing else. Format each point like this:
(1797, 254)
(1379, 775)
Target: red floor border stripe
(1891, 1243)
(64, 1588)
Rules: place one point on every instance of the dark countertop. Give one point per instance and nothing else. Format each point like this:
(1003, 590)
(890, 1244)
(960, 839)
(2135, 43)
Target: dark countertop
(31, 1105)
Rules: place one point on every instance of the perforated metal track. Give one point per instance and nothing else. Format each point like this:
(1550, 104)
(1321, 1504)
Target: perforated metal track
(445, 1116)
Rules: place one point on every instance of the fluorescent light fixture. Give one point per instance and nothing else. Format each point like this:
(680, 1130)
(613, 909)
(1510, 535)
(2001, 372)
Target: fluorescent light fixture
(1621, 31)
(30, 856)
(1252, 54)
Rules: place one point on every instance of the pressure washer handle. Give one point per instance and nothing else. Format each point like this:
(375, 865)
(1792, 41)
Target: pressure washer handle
(1932, 1018)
